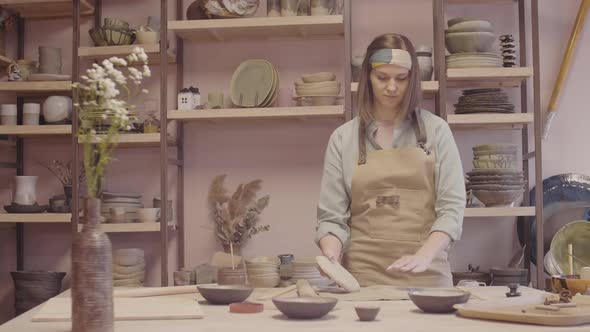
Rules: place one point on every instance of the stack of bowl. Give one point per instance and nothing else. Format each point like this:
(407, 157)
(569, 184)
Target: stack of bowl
(231, 276)
(495, 180)
(128, 267)
(484, 100)
(318, 89)
(263, 271)
(470, 43)
(307, 269)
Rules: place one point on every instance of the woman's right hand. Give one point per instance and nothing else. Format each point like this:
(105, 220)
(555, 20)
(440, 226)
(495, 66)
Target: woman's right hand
(331, 247)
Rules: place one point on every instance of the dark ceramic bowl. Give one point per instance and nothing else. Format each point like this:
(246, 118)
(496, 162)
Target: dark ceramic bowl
(305, 307)
(225, 294)
(438, 301)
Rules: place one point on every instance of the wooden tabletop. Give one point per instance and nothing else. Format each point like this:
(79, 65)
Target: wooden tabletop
(394, 316)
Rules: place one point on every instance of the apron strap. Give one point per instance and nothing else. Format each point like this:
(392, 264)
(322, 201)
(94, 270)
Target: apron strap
(417, 124)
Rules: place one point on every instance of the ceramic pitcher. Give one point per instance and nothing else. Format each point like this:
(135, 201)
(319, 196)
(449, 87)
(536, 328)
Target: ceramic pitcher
(25, 192)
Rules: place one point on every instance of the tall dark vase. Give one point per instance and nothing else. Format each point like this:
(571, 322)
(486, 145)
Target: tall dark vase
(92, 280)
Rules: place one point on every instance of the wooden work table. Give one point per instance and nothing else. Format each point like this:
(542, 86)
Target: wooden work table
(396, 316)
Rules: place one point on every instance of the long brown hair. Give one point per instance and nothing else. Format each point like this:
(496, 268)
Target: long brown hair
(365, 98)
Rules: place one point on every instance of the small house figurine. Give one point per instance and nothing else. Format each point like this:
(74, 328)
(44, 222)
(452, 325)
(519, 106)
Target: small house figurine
(196, 97)
(185, 100)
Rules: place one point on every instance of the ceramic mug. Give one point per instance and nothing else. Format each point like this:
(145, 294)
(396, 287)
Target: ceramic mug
(49, 60)
(215, 100)
(148, 214)
(117, 214)
(471, 283)
(322, 7)
(8, 114)
(31, 112)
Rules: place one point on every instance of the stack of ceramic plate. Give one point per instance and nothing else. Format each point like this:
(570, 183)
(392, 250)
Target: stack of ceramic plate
(254, 84)
(128, 267)
(129, 202)
(498, 182)
(318, 89)
(307, 269)
(483, 101)
(474, 60)
(470, 44)
(263, 271)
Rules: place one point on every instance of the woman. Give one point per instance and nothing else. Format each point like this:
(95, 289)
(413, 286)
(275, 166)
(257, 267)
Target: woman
(392, 196)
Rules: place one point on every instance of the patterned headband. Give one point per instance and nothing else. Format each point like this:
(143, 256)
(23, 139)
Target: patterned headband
(388, 56)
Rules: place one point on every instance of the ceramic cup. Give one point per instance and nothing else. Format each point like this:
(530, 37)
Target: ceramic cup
(25, 190)
(290, 7)
(8, 114)
(148, 214)
(215, 100)
(117, 214)
(147, 37)
(470, 283)
(322, 7)
(585, 273)
(49, 60)
(31, 114)
(273, 8)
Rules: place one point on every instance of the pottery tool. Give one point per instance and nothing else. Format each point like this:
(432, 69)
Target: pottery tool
(564, 305)
(231, 250)
(338, 274)
(547, 307)
(304, 289)
(570, 252)
(277, 292)
(565, 64)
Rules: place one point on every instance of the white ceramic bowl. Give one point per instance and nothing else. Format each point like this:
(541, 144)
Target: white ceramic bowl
(319, 77)
(462, 42)
(471, 26)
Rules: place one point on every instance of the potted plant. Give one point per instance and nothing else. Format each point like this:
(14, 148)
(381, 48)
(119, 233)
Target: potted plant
(64, 173)
(104, 100)
(236, 216)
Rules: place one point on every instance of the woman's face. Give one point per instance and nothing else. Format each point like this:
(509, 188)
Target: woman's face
(389, 83)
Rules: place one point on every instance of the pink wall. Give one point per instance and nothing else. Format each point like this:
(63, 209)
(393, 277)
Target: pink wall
(287, 155)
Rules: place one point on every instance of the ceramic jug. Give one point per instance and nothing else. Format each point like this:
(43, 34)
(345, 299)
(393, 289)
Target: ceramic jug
(25, 190)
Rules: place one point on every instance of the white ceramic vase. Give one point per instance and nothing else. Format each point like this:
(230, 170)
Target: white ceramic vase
(424, 55)
(25, 190)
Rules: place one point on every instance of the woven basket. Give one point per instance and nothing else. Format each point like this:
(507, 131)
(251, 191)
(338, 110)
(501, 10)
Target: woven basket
(34, 287)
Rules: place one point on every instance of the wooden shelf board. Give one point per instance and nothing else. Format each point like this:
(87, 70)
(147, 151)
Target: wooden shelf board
(103, 52)
(306, 27)
(134, 140)
(489, 120)
(428, 87)
(35, 217)
(45, 86)
(500, 212)
(36, 130)
(130, 227)
(46, 8)
(487, 77)
(336, 111)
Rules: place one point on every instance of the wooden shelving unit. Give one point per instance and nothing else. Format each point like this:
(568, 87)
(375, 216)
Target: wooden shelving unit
(103, 52)
(46, 86)
(39, 130)
(429, 88)
(487, 77)
(259, 28)
(500, 212)
(129, 227)
(135, 140)
(35, 217)
(336, 112)
(47, 8)
(489, 121)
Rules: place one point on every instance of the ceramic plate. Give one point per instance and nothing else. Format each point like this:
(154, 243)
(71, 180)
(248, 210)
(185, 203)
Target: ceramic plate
(252, 83)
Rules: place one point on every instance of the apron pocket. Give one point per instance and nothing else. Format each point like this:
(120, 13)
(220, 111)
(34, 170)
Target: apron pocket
(396, 214)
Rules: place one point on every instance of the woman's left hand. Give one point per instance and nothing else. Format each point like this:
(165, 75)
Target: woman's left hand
(414, 263)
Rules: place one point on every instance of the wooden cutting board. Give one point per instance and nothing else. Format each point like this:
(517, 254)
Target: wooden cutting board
(511, 310)
(146, 308)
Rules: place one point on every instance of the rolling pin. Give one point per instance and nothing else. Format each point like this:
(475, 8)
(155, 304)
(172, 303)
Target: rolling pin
(155, 291)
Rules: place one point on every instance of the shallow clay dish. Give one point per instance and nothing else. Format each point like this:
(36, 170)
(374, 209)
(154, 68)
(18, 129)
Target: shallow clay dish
(438, 301)
(224, 294)
(305, 307)
(338, 273)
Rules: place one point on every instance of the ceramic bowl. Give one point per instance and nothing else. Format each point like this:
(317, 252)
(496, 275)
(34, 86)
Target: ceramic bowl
(487, 147)
(224, 294)
(264, 282)
(137, 275)
(110, 22)
(498, 198)
(367, 313)
(457, 20)
(493, 187)
(438, 301)
(316, 100)
(494, 163)
(147, 37)
(576, 286)
(471, 26)
(319, 77)
(128, 269)
(305, 307)
(460, 42)
(318, 85)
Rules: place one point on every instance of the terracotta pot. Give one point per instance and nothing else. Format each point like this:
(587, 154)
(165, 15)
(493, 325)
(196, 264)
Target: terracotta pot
(92, 277)
(34, 287)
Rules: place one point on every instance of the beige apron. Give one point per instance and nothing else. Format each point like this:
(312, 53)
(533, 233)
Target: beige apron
(392, 211)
